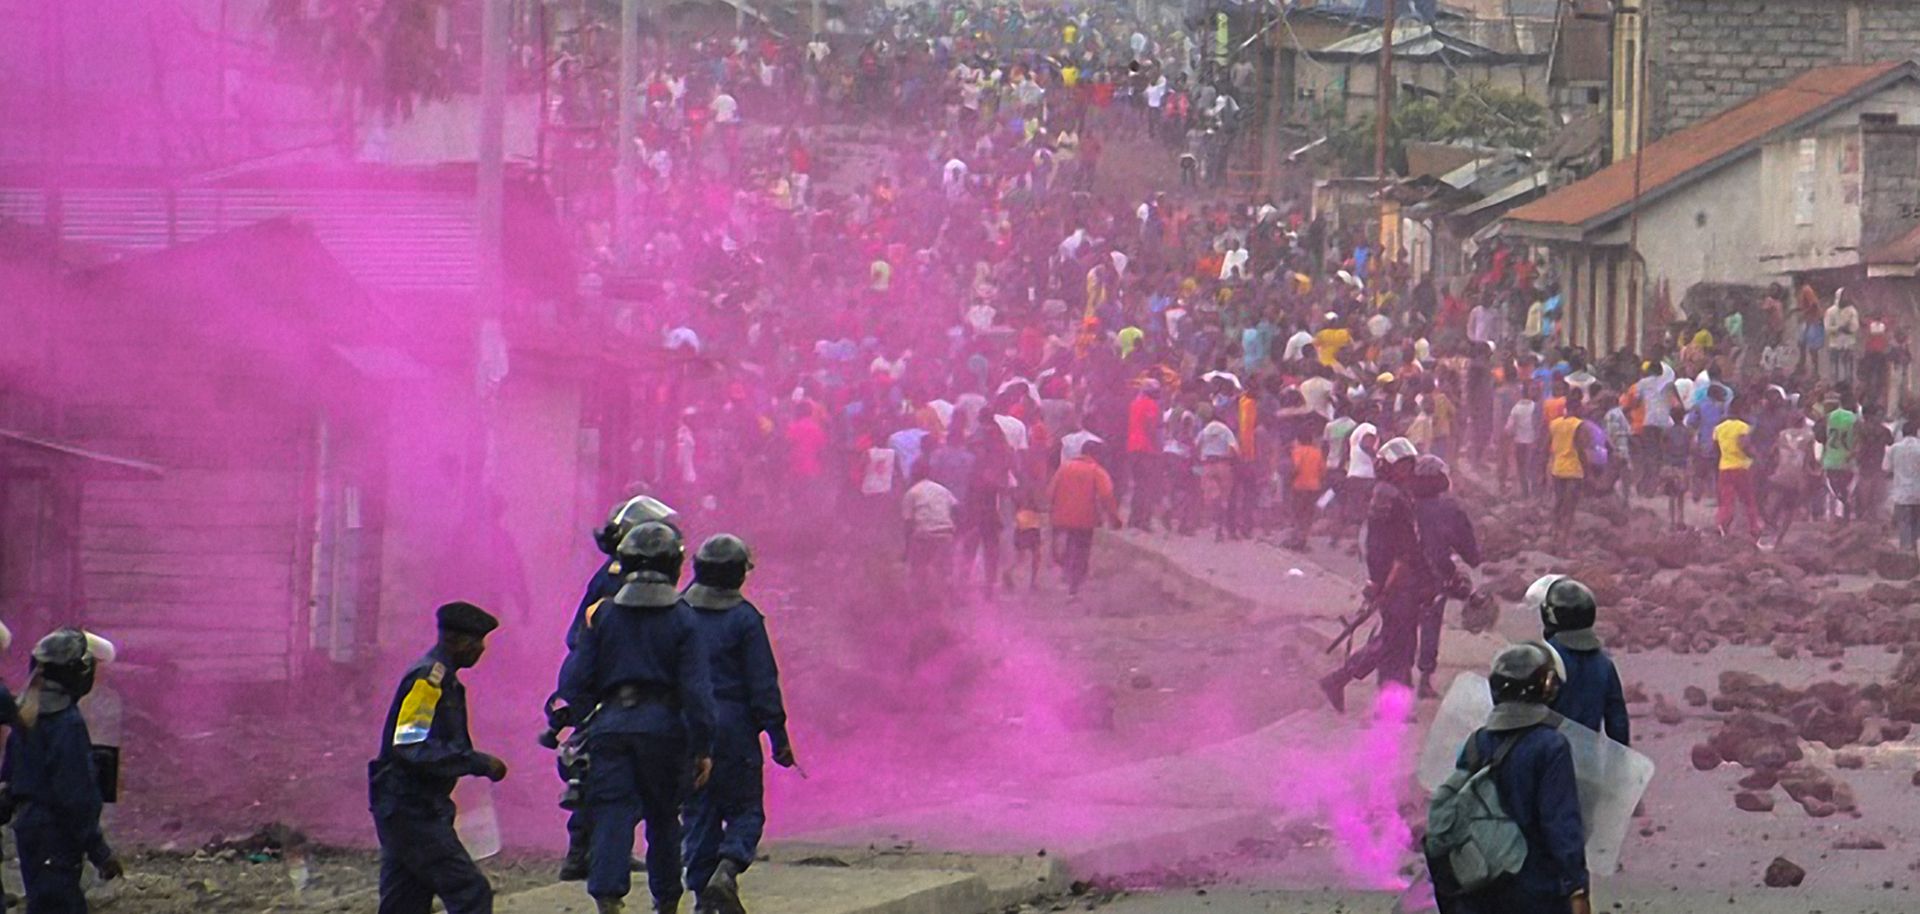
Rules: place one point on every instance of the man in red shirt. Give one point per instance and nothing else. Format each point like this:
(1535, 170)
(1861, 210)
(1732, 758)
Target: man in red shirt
(1080, 497)
(1141, 467)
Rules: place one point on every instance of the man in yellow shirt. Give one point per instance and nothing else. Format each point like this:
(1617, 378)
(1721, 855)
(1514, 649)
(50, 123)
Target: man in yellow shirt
(1567, 443)
(1736, 468)
(1330, 340)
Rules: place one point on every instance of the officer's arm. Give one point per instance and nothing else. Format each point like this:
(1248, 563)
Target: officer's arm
(419, 740)
(576, 686)
(763, 684)
(1558, 803)
(1615, 715)
(1468, 543)
(696, 693)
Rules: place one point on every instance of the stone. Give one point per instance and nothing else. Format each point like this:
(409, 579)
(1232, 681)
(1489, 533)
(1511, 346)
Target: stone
(1895, 731)
(1818, 809)
(1750, 801)
(1705, 758)
(1897, 566)
(1665, 712)
(1887, 594)
(1784, 874)
(1765, 778)
(1694, 696)
(1850, 761)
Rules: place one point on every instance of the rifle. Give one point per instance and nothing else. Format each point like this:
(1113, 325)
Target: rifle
(1348, 627)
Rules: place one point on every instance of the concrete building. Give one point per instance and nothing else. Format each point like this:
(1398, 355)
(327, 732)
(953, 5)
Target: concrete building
(1700, 206)
(1709, 54)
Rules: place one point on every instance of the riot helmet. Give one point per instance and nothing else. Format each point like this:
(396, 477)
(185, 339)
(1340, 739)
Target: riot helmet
(719, 571)
(65, 662)
(1430, 476)
(629, 514)
(1528, 673)
(652, 554)
(1396, 458)
(1567, 610)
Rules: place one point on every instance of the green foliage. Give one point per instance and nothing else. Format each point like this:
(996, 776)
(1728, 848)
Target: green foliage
(1479, 115)
(384, 54)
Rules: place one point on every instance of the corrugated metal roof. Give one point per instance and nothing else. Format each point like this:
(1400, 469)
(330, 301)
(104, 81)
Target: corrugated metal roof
(1682, 157)
(407, 240)
(1901, 251)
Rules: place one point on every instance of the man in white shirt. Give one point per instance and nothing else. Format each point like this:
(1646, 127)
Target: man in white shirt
(725, 109)
(1843, 335)
(1483, 324)
(927, 509)
(1217, 447)
(1296, 350)
(1903, 462)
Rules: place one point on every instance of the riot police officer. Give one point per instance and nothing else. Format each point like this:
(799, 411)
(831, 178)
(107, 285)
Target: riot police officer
(52, 781)
(1399, 581)
(1591, 695)
(606, 581)
(725, 818)
(1446, 534)
(639, 664)
(425, 749)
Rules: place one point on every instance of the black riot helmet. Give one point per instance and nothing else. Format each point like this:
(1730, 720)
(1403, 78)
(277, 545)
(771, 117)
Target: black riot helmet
(1430, 477)
(65, 659)
(630, 514)
(1529, 673)
(1565, 604)
(722, 562)
(651, 556)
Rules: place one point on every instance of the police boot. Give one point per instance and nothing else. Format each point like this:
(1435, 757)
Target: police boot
(573, 868)
(664, 905)
(607, 904)
(1426, 686)
(1334, 686)
(723, 890)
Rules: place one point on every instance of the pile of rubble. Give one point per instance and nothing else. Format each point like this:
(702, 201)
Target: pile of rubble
(1689, 592)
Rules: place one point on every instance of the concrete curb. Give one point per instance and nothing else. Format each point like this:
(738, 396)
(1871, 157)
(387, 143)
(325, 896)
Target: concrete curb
(787, 889)
(1011, 879)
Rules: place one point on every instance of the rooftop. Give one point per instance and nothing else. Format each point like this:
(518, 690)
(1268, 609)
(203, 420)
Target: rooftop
(1682, 157)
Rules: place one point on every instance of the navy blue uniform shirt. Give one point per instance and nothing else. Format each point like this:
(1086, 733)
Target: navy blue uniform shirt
(1538, 793)
(746, 680)
(49, 771)
(654, 648)
(602, 586)
(1592, 694)
(425, 747)
(1446, 533)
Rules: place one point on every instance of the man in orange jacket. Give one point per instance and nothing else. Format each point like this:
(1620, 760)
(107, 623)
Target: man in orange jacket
(1081, 497)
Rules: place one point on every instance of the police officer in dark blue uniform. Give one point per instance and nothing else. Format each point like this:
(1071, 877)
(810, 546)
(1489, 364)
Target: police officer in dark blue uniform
(52, 782)
(1446, 533)
(725, 819)
(1592, 695)
(606, 582)
(1537, 791)
(638, 663)
(424, 750)
(1399, 581)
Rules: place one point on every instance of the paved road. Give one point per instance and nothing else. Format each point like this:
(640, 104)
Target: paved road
(1758, 901)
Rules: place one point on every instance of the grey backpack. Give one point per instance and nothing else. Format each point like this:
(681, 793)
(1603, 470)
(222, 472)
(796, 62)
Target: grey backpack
(1471, 843)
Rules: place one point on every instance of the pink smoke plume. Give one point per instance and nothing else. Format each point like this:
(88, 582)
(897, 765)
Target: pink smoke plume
(1371, 833)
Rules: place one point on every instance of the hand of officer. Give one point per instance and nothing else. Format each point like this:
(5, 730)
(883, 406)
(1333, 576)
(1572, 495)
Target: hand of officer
(111, 869)
(496, 769)
(702, 770)
(1580, 904)
(783, 756)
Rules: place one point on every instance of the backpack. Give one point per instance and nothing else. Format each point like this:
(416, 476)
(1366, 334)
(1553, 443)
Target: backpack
(1471, 844)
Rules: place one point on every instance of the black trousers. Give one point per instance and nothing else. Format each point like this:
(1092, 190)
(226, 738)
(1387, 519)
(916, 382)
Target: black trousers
(421, 858)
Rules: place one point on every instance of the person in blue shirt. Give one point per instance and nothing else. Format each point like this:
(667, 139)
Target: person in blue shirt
(640, 666)
(606, 581)
(425, 748)
(1591, 694)
(725, 819)
(1537, 791)
(52, 783)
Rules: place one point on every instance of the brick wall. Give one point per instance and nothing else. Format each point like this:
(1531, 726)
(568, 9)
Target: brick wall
(1890, 197)
(1709, 55)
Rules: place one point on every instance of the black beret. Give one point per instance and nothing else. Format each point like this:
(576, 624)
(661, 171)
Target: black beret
(466, 618)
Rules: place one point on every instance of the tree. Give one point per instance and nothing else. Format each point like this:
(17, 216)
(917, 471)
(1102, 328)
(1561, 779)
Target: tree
(1473, 114)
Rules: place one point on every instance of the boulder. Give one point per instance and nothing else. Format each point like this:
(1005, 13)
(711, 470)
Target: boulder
(1750, 801)
(1694, 696)
(1897, 565)
(1705, 758)
(1784, 874)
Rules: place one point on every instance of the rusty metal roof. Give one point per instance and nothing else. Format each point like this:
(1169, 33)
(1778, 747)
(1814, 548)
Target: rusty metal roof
(1680, 158)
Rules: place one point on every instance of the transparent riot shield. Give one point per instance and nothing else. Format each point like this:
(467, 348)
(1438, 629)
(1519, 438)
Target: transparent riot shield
(475, 821)
(1612, 777)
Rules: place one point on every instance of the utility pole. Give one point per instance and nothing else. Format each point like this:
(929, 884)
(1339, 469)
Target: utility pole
(624, 176)
(1384, 87)
(1383, 90)
(814, 21)
(492, 153)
